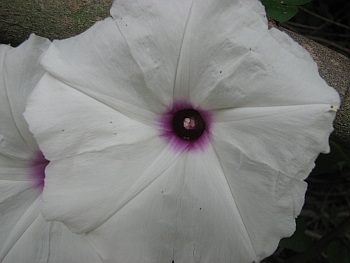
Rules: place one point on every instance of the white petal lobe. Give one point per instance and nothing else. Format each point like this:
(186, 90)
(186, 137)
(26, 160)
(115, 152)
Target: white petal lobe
(24, 235)
(186, 215)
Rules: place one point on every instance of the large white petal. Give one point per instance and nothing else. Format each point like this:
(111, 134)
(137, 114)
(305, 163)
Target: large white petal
(75, 123)
(154, 31)
(185, 45)
(84, 190)
(100, 158)
(287, 138)
(187, 214)
(265, 153)
(218, 35)
(100, 64)
(24, 235)
(274, 71)
(20, 71)
(52, 243)
(228, 57)
(15, 200)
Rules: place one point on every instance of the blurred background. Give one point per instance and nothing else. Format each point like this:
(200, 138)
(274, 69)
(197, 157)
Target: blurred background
(324, 21)
(54, 19)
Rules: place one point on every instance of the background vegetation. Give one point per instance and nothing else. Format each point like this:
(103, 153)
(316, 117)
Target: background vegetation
(54, 19)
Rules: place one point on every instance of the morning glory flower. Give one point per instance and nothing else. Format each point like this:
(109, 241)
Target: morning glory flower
(24, 235)
(180, 131)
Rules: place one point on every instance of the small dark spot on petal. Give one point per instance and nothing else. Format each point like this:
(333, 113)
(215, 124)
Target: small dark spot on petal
(111, 122)
(200, 208)
(220, 71)
(63, 130)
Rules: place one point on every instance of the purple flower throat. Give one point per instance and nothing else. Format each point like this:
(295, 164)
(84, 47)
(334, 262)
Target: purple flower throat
(37, 170)
(184, 126)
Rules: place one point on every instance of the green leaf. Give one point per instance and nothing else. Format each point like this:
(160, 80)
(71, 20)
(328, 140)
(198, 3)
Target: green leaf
(299, 241)
(296, 2)
(337, 252)
(282, 10)
(338, 156)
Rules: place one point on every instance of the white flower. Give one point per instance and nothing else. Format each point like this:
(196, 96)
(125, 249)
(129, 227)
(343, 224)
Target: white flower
(112, 115)
(25, 237)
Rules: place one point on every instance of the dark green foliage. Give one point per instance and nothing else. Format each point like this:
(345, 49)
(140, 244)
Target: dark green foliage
(337, 252)
(337, 159)
(299, 241)
(282, 10)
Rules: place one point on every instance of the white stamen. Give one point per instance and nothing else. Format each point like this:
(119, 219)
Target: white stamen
(189, 123)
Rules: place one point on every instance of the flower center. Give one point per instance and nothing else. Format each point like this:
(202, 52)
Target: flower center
(37, 170)
(188, 124)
